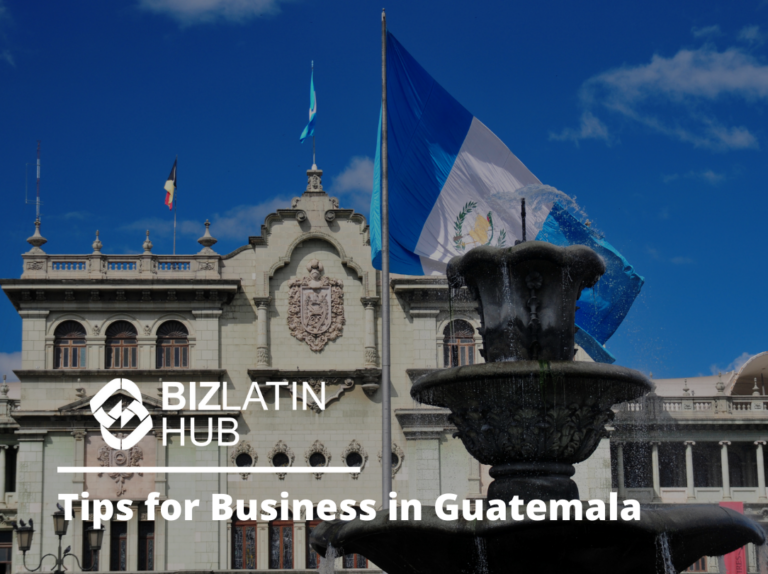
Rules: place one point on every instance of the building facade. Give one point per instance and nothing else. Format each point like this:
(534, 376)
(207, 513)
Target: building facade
(298, 303)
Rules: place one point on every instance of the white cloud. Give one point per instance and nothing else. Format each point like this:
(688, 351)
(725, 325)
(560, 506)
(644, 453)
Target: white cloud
(679, 87)
(9, 362)
(591, 128)
(734, 365)
(189, 12)
(707, 175)
(682, 261)
(357, 176)
(236, 223)
(7, 57)
(751, 34)
(705, 31)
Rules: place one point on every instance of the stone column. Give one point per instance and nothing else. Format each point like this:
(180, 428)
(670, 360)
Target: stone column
(655, 469)
(262, 545)
(689, 470)
(371, 354)
(161, 526)
(262, 331)
(29, 486)
(78, 478)
(2, 473)
(475, 489)
(132, 541)
(620, 470)
(761, 497)
(299, 545)
(724, 444)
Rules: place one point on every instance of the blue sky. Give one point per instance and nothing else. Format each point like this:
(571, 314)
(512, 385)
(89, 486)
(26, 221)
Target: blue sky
(653, 114)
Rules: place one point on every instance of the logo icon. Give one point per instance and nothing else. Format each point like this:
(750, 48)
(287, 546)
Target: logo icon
(107, 419)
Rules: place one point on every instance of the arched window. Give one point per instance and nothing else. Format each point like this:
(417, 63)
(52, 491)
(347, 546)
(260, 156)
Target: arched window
(243, 544)
(458, 344)
(313, 558)
(281, 545)
(122, 346)
(172, 346)
(69, 346)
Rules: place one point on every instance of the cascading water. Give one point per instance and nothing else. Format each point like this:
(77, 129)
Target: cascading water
(531, 419)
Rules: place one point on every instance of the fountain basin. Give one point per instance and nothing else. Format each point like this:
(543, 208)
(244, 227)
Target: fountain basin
(531, 420)
(583, 547)
(527, 296)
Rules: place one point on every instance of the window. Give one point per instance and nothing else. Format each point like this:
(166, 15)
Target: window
(355, 561)
(90, 558)
(122, 346)
(172, 346)
(458, 344)
(699, 566)
(146, 545)
(243, 544)
(118, 546)
(313, 558)
(11, 454)
(6, 543)
(281, 545)
(69, 346)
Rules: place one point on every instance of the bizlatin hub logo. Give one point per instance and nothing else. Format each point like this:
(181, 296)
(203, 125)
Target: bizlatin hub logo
(108, 419)
(108, 413)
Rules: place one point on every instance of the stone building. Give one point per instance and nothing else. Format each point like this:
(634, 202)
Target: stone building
(299, 302)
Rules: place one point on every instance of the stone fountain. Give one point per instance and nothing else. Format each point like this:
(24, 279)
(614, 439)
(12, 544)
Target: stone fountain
(531, 413)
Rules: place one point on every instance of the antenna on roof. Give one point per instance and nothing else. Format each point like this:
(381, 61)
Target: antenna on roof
(36, 202)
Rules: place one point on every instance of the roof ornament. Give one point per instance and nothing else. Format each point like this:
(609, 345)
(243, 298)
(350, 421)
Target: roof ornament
(97, 245)
(686, 390)
(314, 180)
(207, 241)
(147, 245)
(720, 385)
(37, 240)
(755, 390)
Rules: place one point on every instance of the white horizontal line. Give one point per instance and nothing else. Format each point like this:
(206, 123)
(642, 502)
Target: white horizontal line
(209, 469)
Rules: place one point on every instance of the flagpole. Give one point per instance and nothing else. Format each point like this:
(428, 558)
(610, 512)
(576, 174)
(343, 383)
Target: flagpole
(175, 199)
(386, 400)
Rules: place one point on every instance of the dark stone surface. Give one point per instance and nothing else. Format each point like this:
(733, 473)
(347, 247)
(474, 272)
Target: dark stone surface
(527, 296)
(531, 412)
(432, 545)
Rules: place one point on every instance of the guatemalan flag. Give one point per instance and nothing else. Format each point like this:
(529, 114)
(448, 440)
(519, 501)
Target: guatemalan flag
(454, 185)
(309, 130)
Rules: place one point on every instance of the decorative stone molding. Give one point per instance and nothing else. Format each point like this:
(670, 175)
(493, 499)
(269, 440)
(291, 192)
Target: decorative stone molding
(36, 265)
(69, 295)
(39, 295)
(315, 180)
(398, 452)
(371, 357)
(243, 447)
(109, 456)
(95, 296)
(262, 356)
(147, 330)
(316, 308)
(355, 447)
(79, 435)
(96, 330)
(279, 448)
(146, 296)
(318, 447)
(424, 423)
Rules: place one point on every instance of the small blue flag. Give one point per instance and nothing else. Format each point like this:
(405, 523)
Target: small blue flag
(310, 129)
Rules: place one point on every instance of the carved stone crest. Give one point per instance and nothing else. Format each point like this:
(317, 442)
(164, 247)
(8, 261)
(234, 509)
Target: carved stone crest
(249, 459)
(316, 308)
(112, 457)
